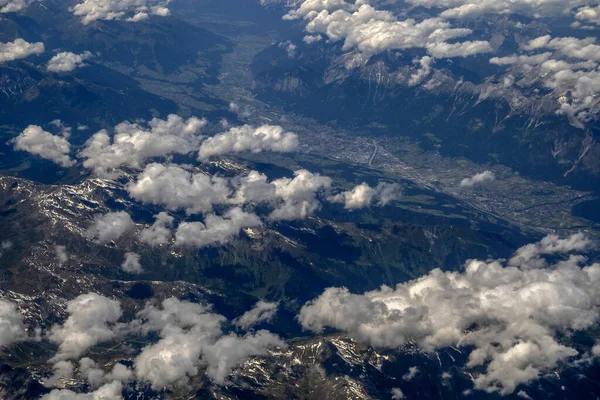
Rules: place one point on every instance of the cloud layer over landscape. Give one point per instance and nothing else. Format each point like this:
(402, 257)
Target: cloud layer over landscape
(371, 31)
(509, 315)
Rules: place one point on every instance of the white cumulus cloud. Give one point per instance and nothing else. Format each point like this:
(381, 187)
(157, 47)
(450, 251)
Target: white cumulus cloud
(215, 229)
(90, 321)
(249, 138)
(566, 68)
(12, 328)
(190, 337)
(478, 179)
(476, 8)
(507, 317)
(18, 49)
(299, 195)
(137, 10)
(61, 254)
(36, 141)
(110, 391)
(110, 226)
(7, 6)
(67, 61)
(159, 233)
(131, 264)
(133, 144)
(262, 311)
(364, 195)
(370, 31)
(177, 188)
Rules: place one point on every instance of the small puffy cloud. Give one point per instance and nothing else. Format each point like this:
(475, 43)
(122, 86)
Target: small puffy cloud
(190, 337)
(289, 47)
(18, 49)
(63, 129)
(509, 318)
(253, 187)
(461, 49)
(67, 61)
(262, 311)
(552, 244)
(231, 350)
(523, 394)
(61, 370)
(133, 144)
(110, 226)
(36, 141)
(249, 138)
(160, 231)
(588, 14)
(7, 6)
(95, 376)
(177, 188)
(92, 374)
(363, 195)
(5, 245)
(61, 254)
(138, 10)
(570, 47)
(12, 328)
(110, 391)
(215, 229)
(131, 264)
(412, 372)
(421, 73)
(310, 39)
(397, 394)
(478, 179)
(90, 321)
(299, 195)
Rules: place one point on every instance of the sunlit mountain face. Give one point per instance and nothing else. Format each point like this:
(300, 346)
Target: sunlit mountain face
(303, 199)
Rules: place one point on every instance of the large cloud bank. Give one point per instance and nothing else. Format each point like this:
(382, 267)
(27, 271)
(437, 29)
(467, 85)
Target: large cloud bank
(507, 316)
(370, 31)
